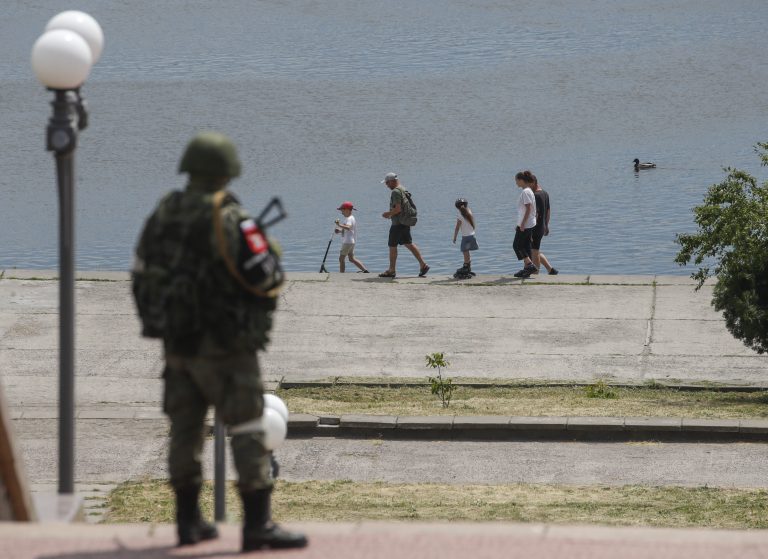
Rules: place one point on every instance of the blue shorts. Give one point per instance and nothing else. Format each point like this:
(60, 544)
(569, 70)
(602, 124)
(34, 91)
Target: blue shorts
(468, 243)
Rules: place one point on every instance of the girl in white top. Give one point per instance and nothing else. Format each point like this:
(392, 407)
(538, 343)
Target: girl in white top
(465, 223)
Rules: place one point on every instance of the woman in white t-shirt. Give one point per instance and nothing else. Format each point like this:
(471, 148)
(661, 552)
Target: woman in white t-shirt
(465, 222)
(526, 221)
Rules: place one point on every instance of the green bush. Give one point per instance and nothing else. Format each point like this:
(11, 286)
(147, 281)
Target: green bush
(732, 236)
(600, 390)
(442, 387)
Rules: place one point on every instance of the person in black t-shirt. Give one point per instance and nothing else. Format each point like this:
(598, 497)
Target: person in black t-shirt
(541, 229)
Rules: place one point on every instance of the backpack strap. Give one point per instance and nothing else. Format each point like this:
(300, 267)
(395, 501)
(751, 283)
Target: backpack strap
(221, 244)
(410, 200)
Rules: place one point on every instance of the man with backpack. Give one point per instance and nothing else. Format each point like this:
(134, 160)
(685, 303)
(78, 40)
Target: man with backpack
(402, 212)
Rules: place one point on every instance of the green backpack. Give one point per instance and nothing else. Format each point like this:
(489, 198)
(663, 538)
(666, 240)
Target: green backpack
(169, 271)
(183, 290)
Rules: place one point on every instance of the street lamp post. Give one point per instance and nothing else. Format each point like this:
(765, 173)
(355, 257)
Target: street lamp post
(61, 59)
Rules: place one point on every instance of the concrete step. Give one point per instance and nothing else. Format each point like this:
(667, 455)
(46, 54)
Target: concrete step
(375, 540)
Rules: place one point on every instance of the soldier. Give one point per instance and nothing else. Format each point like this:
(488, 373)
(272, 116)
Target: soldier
(205, 281)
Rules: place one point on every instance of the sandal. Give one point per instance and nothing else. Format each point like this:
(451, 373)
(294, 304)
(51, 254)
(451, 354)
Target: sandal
(423, 271)
(387, 274)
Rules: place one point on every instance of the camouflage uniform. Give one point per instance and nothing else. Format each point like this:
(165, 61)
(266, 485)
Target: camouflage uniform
(210, 324)
(210, 357)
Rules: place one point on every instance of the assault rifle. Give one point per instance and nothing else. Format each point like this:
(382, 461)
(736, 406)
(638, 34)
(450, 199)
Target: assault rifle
(275, 206)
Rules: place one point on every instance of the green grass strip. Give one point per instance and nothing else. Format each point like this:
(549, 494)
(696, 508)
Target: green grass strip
(152, 501)
(598, 400)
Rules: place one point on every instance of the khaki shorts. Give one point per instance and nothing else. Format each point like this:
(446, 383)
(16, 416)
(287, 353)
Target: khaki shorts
(347, 249)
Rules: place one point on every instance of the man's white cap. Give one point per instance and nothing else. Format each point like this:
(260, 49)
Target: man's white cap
(389, 177)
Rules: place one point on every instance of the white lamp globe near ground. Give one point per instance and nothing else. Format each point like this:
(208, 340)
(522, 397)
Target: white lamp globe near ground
(61, 59)
(82, 24)
(275, 429)
(271, 423)
(277, 404)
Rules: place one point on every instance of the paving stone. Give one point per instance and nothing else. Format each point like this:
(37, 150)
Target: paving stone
(480, 422)
(40, 413)
(676, 280)
(538, 423)
(560, 278)
(352, 421)
(753, 426)
(621, 280)
(301, 421)
(149, 414)
(107, 414)
(595, 424)
(55, 507)
(711, 425)
(488, 540)
(653, 424)
(441, 422)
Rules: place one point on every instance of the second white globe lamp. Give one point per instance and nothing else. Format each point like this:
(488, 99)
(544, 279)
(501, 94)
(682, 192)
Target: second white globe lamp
(61, 59)
(82, 24)
(277, 404)
(271, 424)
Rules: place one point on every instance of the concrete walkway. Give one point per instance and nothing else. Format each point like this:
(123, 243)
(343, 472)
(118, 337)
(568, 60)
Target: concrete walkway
(628, 328)
(572, 328)
(113, 451)
(373, 540)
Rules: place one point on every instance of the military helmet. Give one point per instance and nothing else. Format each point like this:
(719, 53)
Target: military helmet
(210, 154)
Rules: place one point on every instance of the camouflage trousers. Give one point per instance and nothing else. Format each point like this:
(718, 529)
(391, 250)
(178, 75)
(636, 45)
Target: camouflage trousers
(231, 383)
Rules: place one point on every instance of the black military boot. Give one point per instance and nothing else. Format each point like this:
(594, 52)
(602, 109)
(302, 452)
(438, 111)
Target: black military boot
(190, 526)
(259, 531)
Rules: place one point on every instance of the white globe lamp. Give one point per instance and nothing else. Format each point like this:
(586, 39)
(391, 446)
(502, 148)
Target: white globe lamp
(61, 59)
(277, 404)
(82, 24)
(271, 424)
(275, 429)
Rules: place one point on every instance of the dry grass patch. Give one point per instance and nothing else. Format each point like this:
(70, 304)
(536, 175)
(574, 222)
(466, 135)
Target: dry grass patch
(152, 501)
(538, 401)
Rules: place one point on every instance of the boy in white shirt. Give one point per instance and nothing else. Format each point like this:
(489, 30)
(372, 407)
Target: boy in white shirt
(348, 229)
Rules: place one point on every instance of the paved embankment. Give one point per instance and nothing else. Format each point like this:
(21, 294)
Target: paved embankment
(379, 540)
(630, 328)
(572, 328)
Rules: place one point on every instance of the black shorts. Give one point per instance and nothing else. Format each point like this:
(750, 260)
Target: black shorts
(399, 235)
(536, 236)
(522, 243)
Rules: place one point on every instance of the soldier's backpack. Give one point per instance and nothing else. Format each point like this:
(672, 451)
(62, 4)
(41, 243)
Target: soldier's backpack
(177, 282)
(168, 270)
(408, 211)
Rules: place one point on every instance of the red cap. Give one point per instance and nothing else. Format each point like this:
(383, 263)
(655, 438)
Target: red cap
(346, 206)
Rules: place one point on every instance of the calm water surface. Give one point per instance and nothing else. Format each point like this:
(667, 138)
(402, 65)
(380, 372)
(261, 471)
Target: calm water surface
(323, 98)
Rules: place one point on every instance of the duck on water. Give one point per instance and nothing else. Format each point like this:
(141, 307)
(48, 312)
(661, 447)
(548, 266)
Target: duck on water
(646, 165)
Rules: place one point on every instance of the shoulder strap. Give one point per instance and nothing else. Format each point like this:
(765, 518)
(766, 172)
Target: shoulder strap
(407, 195)
(221, 244)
